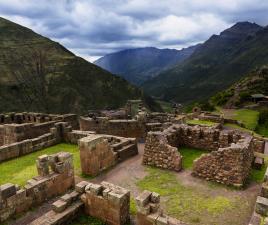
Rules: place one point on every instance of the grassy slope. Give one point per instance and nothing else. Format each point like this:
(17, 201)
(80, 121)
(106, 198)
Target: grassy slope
(248, 117)
(73, 84)
(19, 170)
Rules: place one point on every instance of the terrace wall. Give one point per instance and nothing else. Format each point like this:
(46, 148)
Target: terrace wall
(56, 176)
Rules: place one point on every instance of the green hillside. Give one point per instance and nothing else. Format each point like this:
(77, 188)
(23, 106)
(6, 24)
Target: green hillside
(218, 63)
(37, 74)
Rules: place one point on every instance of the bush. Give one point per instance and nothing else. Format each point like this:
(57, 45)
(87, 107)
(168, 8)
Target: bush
(221, 98)
(263, 117)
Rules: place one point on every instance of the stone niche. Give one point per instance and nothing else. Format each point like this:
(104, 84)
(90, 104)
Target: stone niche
(229, 161)
(100, 152)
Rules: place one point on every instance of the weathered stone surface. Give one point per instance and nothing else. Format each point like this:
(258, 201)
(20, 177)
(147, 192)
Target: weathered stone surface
(261, 206)
(59, 206)
(110, 205)
(100, 152)
(7, 190)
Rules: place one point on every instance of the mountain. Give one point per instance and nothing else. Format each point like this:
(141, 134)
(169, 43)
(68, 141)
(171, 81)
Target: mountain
(222, 60)
(38, 74)
(138, 65)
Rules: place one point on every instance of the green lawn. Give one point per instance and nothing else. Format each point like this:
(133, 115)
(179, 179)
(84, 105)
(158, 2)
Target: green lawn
(189, 155)
(248, 117)
(19, 170)
(200, 122)
(188, 203)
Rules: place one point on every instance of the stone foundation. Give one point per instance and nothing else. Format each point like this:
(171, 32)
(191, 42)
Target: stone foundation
(100, 152)
(56, 176)
(228, 163)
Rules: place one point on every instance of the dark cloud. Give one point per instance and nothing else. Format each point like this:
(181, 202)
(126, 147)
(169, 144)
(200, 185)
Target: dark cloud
(97, 27)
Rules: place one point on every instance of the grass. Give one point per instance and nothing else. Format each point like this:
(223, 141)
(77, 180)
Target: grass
(189, 155)
(258, 175)
(19, 170)
(200, 122)
(133, 207)
(248, 117)
(189, 204)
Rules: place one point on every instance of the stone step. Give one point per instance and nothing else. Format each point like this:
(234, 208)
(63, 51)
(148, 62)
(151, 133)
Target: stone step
(127, 151)
(120, 145)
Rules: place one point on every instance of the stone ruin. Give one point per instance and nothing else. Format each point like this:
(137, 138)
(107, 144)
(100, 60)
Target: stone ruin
(23, 133)
(100, 152)
(107, 202)
(55, 177)
(229, 161)
(260, 213)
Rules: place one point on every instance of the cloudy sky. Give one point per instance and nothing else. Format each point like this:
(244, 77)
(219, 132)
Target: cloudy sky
(93, 28)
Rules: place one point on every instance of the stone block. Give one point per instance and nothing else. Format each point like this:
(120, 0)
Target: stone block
(155, 197)
(59, 206)
(7, 190)
(261, 206)
(74, 195)
(80, 187)
(144, 198)
(66, 198)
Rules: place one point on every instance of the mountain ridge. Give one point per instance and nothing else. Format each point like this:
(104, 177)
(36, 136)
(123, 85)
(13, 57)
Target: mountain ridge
(138, 64)
(220, 61)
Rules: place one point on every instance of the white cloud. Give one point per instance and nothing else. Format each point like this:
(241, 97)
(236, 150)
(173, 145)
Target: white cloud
(96, 27)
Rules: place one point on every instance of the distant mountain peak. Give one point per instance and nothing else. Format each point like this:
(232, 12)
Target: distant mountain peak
(242, 28)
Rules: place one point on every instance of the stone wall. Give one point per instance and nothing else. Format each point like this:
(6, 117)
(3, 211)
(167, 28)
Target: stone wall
(228, 163)
(107, 202)
(123, 128)
(31, 117)
(100, 152)
(261, 206)
(55, 136)
(19, 132)
(149, 211)
(1, 135)
(159, 153)
(56, 176)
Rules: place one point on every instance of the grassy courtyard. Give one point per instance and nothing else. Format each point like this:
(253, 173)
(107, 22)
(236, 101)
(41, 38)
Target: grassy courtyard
(19, 170)
(195, 204)
(200, 122)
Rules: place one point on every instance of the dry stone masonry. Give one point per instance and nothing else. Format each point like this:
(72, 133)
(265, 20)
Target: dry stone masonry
(229, 161)
(100, 152)
(55, 177)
